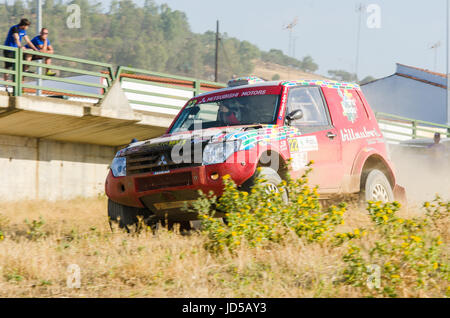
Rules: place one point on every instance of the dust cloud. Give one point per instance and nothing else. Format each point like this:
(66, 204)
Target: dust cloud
(423, 172)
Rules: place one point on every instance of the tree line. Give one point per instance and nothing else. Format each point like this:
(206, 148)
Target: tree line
(151, 36)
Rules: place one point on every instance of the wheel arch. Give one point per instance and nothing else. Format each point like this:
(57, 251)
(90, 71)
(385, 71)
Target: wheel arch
(376, 161)
(283, 166)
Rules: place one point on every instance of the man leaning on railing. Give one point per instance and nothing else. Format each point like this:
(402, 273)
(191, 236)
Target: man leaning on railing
(43, 44)
(14, 39)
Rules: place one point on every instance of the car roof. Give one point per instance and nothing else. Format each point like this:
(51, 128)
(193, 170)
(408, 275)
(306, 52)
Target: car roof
(303, 82)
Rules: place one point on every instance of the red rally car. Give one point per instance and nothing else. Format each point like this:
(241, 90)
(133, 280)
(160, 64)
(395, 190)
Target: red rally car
(251, 124)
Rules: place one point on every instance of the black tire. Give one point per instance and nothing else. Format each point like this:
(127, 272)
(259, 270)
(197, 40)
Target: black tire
(185, 226)
(125, 216)
(272, 178)
(376, 187)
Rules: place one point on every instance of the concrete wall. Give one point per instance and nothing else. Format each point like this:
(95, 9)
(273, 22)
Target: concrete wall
(33, 168)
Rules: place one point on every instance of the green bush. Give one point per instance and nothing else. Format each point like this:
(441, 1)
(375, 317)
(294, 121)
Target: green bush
(260, 217)
(406, 252)
(35, 230)
(403, 253)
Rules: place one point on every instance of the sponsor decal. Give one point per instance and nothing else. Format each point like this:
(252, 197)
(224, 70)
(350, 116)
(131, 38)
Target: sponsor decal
(283, 146)
(348, 105)
(218, 97)
(351, 135)
(299, 148)
(160, 172)
(299, 160)
(283, 104)
(208, 99)
(322, 83)
(308, 143)
(253, 93)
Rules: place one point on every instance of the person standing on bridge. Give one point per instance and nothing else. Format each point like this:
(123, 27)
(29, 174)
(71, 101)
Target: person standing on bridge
(14, 39)
(41, 42)
(437, 152)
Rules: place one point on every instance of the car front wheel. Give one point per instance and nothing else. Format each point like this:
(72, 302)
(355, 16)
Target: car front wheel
(125, 217)
(271, 183)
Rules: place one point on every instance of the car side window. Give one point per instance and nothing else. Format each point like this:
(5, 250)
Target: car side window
(309, 100)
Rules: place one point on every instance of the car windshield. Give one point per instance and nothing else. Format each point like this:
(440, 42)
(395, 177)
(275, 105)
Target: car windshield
(237, 111)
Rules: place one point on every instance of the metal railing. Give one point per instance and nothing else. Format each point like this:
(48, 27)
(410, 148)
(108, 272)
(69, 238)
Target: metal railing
(73, 72)
(396, 128)
(14, 72)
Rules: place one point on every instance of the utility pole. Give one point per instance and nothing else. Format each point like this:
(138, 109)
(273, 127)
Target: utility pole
(38, 31)
(216, 74)
(290, 27)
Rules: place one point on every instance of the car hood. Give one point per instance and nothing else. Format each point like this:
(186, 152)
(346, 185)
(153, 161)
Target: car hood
(250, 135)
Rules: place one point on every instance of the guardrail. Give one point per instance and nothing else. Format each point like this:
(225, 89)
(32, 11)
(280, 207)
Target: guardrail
(73, 73)
(160, 93)
(396, 128)
(14, 71)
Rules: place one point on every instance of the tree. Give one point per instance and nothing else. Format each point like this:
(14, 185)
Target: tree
(309, 65)
(341, 75)
(147, 36)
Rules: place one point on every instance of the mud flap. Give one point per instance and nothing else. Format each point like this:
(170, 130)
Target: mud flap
(400, 195)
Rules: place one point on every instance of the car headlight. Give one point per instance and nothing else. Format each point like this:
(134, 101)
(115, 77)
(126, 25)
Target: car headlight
(119, 167)
(219, 152)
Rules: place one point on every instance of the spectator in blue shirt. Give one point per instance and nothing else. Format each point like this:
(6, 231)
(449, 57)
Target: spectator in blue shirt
(14, 39)
(43, 44)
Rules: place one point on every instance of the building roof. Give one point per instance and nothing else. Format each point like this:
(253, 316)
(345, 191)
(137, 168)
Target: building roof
(423, 70)
(418, 74)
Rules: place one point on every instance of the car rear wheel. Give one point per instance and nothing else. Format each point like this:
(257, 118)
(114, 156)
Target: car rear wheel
(126, 217)
(377, 188)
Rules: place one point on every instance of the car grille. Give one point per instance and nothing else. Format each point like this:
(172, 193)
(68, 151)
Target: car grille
(154, 162)
(164, 181)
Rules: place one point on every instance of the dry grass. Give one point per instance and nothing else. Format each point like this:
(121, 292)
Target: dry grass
(165, 265)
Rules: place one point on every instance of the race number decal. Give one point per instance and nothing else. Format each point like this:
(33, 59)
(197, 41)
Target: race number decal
(303, 144)
(293, 145)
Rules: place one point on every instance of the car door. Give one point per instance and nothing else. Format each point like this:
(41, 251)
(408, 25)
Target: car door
(316, 139)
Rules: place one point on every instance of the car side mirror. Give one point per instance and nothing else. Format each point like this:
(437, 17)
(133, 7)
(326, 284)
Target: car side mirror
(294, 115)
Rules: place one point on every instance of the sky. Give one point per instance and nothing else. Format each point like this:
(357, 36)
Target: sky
(327, 30)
